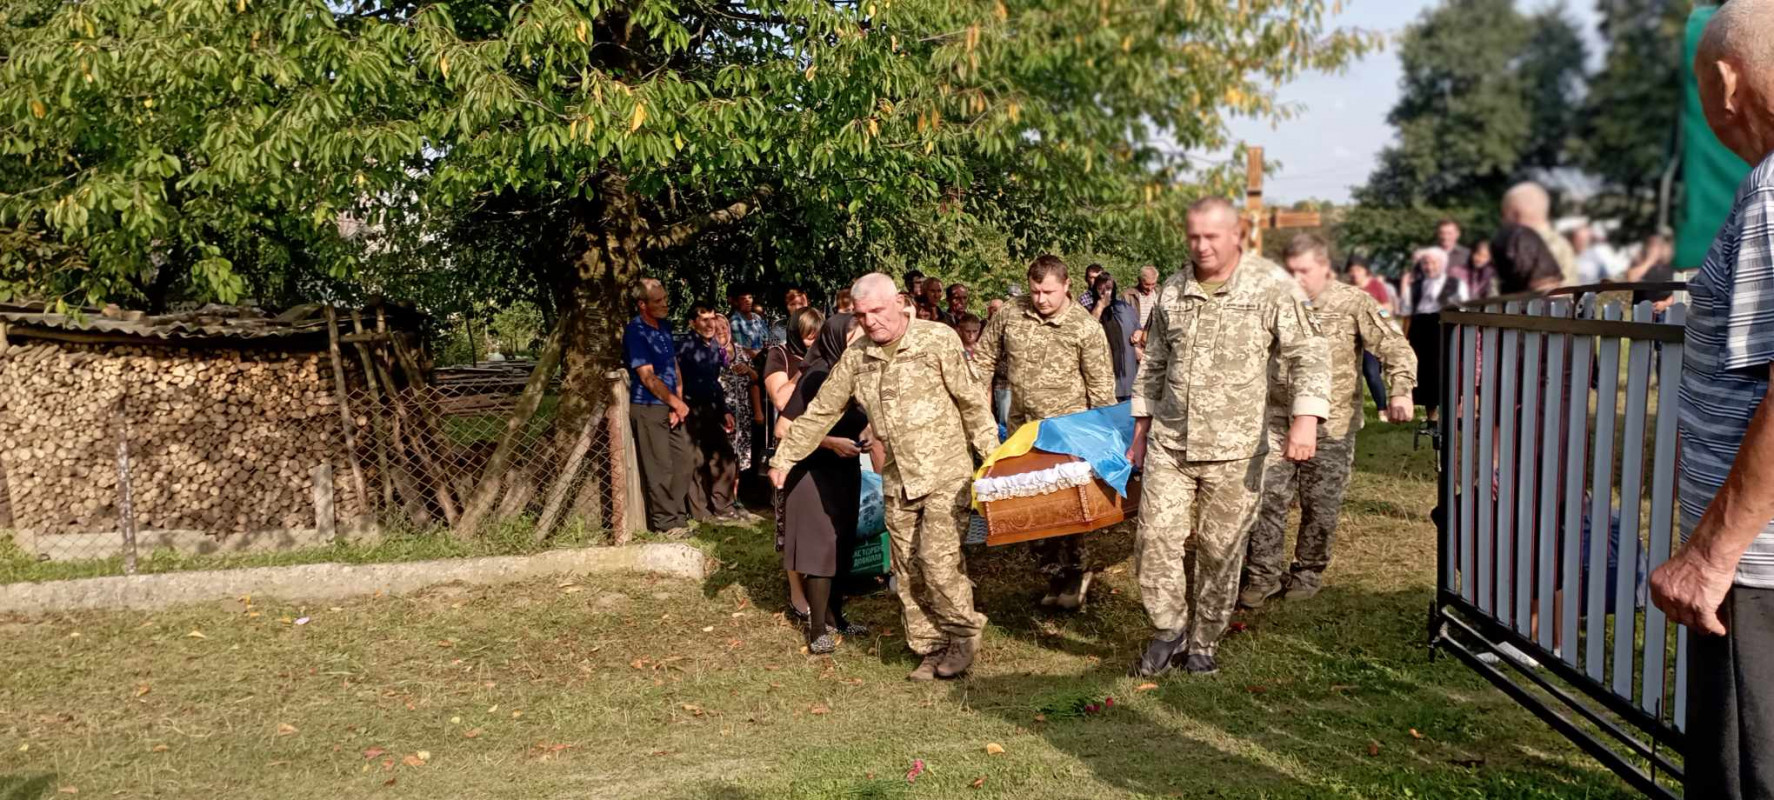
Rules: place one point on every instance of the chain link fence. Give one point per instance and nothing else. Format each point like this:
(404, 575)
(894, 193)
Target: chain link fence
(111, 454)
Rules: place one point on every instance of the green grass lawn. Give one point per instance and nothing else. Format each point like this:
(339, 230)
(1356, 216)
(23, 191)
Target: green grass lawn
(655, 688)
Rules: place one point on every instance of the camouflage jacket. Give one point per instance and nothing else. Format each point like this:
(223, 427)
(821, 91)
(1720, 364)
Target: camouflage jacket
(925, 404)
(1056, 366)
(1351, 324)
(1205, 379)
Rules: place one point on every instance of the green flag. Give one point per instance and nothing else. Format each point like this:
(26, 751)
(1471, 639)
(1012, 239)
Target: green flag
(1710, 172)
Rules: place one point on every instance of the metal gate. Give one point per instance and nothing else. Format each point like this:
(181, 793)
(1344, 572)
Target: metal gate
(1558, 481)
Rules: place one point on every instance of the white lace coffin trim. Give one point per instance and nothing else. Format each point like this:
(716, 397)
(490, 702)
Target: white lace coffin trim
(1058, 478)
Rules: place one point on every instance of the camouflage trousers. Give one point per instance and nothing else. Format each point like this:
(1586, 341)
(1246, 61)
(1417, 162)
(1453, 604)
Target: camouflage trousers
(1194, 519)
(936, 597)
(1318, 485)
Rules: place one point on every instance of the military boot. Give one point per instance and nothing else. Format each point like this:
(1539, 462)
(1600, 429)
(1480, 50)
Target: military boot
(1158, 656)
(926, 670)
(1253, 597)
(959, 657)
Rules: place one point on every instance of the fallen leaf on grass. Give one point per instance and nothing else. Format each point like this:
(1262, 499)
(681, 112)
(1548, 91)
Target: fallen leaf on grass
(302, 620)
(695, 710)
(1256, 689)
(69, 790)
(194, 635)
(1238, 627)
(917, 769)
(373, 752)
(160, 748)
(708, 629)
(143, 689)
(1145, 687)
(516, 714)
(639, 663)
(389, 782)
(413, 760)
(471, 734)
(819, 709)
(994, 749)
(1040, 717)
(1373, 748)
(285, 729)
(978, 782)
(1415, 734)
(24, 747)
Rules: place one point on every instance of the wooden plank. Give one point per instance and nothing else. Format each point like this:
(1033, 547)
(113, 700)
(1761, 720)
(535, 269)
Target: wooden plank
(1295, 219)
(1547, 530)
(1487, 461)
(1453, 370)
(1632, 491)
(1663, 488)
(346, 421)
(1591, 327)
(1527, 465)
(1601, 495)
(1576, 451)
(1508, 412)
(1468, 454)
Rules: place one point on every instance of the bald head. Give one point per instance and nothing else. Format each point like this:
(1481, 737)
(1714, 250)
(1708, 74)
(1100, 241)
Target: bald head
(1528, 204)
(1734, 67)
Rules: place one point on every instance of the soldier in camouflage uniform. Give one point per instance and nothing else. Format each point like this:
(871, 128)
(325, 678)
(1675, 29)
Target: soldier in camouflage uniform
(1058, 362)
(1199, 409)
(1351, 324)
(928, 409)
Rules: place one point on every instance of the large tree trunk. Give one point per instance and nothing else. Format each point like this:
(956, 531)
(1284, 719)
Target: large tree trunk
(604, 259)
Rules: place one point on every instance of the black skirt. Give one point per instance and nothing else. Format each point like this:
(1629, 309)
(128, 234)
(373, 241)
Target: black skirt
(819, 504)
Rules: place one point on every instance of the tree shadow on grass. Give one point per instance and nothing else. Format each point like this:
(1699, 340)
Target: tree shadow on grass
(1008, 585)
(26, 787)
(1333, 697)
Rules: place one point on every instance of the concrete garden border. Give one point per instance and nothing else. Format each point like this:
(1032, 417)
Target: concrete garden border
(331, 581)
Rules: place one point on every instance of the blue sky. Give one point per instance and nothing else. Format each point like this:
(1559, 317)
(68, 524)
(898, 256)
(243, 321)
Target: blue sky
(1332, 144)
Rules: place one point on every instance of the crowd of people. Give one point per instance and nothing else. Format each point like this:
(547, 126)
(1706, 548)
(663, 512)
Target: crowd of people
(912, 380)
(716, 405)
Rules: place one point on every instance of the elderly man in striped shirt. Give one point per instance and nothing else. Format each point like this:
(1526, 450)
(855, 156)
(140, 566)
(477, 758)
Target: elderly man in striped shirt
(1721, 582)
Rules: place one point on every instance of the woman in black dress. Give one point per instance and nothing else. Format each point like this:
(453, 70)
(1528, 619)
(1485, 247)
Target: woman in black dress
(823, 494)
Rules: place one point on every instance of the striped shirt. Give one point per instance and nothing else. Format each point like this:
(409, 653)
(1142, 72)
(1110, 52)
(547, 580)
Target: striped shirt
(1729, 349)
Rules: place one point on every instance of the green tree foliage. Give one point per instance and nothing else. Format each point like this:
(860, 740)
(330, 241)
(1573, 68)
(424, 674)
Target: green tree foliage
(1634, 102)
(1489, 94)
(556, 149)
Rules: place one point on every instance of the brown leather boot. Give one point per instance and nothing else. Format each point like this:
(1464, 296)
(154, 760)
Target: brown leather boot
(959, 657)
(926, 670)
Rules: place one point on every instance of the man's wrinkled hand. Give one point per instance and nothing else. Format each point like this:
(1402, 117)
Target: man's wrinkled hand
(1401, 410)
(1302, 439)
(778, 477)
(1691, 590)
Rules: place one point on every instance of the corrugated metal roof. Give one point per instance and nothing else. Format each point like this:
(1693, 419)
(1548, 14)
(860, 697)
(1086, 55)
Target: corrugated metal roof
(208, 322)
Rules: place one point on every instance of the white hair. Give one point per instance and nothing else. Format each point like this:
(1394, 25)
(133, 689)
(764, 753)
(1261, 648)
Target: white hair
(1529, 202)
(1741, 30)
(874, 285)
(1432, 253)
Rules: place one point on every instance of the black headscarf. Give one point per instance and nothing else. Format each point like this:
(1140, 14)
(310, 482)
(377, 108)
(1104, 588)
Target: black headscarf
(834, 337)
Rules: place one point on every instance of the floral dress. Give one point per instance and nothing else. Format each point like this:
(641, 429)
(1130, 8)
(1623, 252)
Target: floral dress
(737, 388)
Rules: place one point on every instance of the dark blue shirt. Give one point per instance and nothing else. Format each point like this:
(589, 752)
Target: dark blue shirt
(644, 345)
(703, 360)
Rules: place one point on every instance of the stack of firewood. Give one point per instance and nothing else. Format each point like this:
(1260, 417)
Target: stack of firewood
(221, 440)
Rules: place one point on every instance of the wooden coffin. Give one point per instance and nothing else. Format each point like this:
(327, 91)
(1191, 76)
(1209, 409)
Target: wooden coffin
(1067, 512)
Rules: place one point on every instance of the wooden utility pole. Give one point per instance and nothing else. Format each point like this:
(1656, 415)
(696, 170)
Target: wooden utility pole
(1258, 218)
